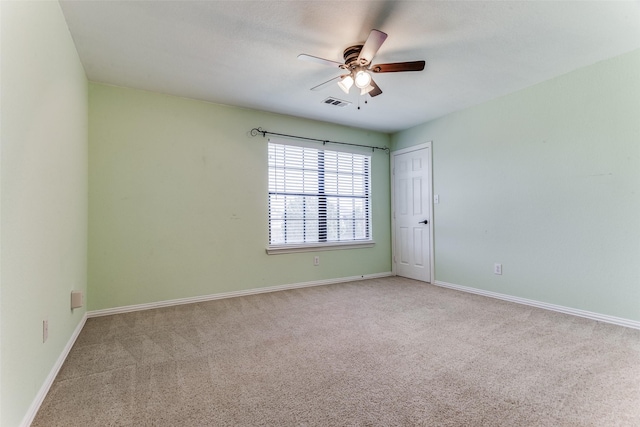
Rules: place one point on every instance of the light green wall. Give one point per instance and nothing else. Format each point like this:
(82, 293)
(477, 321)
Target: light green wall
(178, 200)
(43, 193)
(547, 182)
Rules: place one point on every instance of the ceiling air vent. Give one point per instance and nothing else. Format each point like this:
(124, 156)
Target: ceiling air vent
(335, 102)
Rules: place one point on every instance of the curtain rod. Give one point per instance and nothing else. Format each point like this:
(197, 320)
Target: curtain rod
(256, 131)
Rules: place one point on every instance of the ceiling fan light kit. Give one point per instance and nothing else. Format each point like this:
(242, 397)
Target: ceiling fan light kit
(357, 61)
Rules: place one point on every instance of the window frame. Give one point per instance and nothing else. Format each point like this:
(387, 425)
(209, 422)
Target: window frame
(323, 245)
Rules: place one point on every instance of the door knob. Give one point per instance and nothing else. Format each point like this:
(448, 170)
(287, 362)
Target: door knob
(426, 221)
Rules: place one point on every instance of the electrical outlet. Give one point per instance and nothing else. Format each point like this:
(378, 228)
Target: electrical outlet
(497, 268)
(436, 199)
(45, 330)
(316, 261)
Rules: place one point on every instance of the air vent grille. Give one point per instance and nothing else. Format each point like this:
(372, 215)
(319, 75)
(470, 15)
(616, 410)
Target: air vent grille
(335, 102)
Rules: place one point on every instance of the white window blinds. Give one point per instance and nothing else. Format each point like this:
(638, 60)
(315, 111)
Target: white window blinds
(318, 196)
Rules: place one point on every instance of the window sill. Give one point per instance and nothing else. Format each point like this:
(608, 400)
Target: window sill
(314, 247)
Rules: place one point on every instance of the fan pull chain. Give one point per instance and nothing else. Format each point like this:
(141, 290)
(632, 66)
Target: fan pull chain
(365, 101)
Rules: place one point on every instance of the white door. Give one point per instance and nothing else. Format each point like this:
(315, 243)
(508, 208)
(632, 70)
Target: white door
(412, 212)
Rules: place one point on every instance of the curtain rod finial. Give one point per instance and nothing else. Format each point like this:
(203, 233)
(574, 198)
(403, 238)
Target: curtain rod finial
(256, 131)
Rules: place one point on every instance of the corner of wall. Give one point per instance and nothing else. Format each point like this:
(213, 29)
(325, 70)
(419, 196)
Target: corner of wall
(43, 199)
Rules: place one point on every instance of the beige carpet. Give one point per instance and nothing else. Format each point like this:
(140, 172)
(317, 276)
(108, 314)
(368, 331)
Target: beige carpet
(386, 352)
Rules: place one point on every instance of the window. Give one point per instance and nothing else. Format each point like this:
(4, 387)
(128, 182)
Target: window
(318, 197)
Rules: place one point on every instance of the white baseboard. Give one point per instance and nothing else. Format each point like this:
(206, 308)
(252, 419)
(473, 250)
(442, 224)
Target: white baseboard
(211, 297)
(553, 307)
(42, 393)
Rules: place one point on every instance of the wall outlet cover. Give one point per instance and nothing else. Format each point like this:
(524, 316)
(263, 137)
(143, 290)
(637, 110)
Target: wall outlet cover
(76, 299)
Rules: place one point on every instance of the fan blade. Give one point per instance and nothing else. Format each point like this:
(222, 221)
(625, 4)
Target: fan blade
(327, 83)
(322, 61)
(398, 67)
(376, 89)
(371, 46)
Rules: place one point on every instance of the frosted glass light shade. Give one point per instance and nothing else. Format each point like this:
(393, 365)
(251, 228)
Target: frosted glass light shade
(345, 84)
(363, 79)
(366, 90)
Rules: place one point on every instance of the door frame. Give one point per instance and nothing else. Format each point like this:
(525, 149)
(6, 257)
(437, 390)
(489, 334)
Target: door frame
(392, 158)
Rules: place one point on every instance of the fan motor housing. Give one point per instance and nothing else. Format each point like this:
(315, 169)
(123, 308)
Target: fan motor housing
(351, 55)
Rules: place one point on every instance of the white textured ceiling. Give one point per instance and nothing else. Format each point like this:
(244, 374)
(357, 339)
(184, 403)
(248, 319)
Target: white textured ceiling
(244, 53)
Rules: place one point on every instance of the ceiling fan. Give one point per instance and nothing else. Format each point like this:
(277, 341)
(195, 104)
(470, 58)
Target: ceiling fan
(358, 68)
